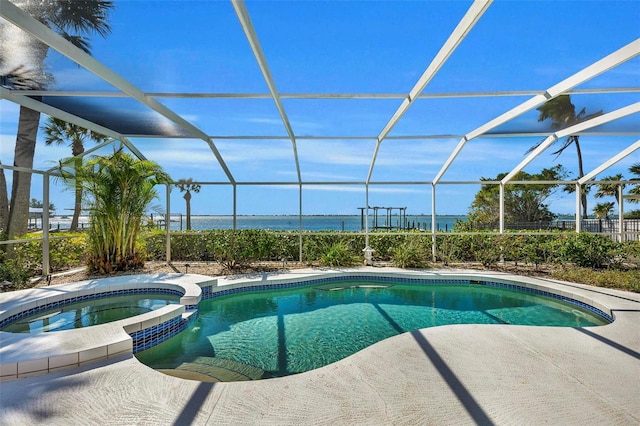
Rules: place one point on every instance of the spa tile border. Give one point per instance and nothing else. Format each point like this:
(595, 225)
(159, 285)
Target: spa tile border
(64, 302)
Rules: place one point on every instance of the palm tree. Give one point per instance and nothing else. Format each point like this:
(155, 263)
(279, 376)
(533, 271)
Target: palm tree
(58, 132)
(119, 188)
(35, 203)
(562, 114)
(186, 186)
(62, 16)
(609, 189)
(635, 170)
(603, 210)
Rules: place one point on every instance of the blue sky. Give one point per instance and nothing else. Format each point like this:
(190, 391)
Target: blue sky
(358, 47)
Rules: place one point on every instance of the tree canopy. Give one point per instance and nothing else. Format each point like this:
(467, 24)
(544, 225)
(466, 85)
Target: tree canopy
(523, 202)
(562, 114)
(119, 188)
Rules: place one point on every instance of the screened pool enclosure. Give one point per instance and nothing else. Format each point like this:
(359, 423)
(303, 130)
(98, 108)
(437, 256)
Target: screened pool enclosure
(303, 108)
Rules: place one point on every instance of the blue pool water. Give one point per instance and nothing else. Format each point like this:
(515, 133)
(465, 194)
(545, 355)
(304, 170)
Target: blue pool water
(99, 310)
(273, 333)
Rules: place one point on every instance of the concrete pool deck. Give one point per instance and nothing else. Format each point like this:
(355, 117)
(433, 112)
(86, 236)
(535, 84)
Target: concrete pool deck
(457, 374)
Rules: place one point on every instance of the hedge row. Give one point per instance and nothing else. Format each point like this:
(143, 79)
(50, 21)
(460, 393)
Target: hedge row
(243, 247)
(237, 248)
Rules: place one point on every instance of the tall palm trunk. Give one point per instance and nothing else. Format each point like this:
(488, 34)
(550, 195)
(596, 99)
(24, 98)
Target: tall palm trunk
(77, 206)
(27, 54)
(4, 202)
(583, 194)
(187, 197)
(77, 149)
(21, 185)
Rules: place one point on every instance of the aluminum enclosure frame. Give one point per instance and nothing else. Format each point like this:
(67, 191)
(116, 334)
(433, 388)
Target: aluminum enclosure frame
(21, 19)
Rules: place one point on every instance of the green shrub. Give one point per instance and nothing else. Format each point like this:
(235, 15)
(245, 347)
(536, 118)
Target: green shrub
(447, 249)
(65, 253)
(29, 256)
(626, 280)
(528, 249)
(411, 254)
(339, 254)
(588, 250)
(486, 248)
(155, 242)
(15, 272)
(314, 246)
(231, 251)
(386, 244)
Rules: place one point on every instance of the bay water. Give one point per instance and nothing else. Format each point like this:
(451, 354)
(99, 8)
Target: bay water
(346, 223)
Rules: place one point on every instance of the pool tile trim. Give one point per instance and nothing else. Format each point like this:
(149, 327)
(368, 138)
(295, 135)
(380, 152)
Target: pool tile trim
(6, 321)
(154, 327)
(476, 280)
(147, 330)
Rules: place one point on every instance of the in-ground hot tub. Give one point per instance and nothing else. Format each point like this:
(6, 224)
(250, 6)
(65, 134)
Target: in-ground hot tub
(89, 310)
(24, 353)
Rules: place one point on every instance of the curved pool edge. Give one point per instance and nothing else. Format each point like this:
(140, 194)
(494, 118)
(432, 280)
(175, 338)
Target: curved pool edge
(466, 374)
(555, 289)
(25, 355)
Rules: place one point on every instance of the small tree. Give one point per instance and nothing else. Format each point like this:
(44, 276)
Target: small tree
(58, 132)
(186, 186)
(522, 202)
(603, 210)
(37, 204)
(635, 187)
(119, 188)
(609, 189)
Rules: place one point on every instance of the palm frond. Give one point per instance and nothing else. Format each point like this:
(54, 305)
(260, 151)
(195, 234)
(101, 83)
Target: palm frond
(568, 141)
(21, 78)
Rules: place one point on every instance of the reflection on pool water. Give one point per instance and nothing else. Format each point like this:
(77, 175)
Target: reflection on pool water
(90, 312)
(273, 333)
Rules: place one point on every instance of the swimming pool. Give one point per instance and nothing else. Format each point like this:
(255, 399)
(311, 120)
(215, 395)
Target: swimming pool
(271, 333)
(92, 310)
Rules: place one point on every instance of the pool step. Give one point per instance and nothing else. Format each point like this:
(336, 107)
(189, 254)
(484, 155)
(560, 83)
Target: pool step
(221, 370)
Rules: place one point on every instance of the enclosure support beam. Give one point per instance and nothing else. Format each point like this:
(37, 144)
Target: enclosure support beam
(610, 162)
(502, 207)
(434, 248)
(468, 21)
(26, 22)
(366, 215)
(610, 61)
(254, 42)
(46, 267)
(596, 121)
(578, 204)
(235, 205)
(300, 224)
(621, 213)
(167, 223)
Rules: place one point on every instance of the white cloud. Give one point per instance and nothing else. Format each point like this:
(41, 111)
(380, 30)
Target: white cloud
(264, 120)
(76, 79)
(235, 151)
(319, 176)
(361, 189)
